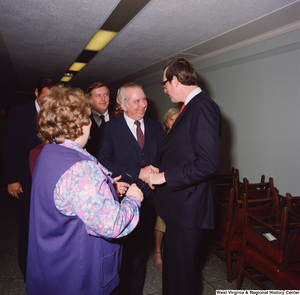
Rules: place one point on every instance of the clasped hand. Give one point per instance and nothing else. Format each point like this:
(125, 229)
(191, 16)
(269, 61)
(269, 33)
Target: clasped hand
(156, 178)
(144, 172)
(125, 188)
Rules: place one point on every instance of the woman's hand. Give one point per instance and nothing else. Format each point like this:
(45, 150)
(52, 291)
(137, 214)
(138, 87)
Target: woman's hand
(135, 192)
(121, 187)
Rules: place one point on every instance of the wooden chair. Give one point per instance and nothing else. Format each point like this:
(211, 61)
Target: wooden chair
(225, 182)
(227, 236)
(293, 203)
(288, 280)
(258, 190)
(229, 226)
(260, 258)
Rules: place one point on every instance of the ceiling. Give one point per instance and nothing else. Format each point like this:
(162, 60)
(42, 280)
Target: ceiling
(42, 38)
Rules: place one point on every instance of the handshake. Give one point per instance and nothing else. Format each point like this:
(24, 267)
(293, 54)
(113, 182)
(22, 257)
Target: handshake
(152, 176)
(148, 174)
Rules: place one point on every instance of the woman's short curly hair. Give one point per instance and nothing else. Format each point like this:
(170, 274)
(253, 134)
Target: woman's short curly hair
(63, 113)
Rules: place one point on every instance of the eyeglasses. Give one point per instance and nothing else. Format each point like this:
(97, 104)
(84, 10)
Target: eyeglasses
(130, 177)
(163, 83)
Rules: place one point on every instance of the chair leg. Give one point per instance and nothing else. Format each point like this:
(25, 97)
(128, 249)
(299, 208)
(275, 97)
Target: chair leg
(229, 262)
(240, 276)
(234, 270)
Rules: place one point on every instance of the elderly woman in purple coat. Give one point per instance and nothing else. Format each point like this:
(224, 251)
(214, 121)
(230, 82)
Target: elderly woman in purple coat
(75, 215)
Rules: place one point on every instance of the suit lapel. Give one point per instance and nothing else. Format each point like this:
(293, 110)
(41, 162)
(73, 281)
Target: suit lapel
(182, 115)
(127, 137)
(150, 136)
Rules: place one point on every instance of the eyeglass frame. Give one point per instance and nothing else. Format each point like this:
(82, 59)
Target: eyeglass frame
(163, 83)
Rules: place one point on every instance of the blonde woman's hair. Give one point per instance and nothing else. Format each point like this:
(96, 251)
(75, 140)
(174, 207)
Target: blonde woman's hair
(168, 115)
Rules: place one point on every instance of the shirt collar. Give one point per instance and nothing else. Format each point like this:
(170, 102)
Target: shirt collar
(131, 121)
(37, 105)
(192, 94)
(95, 112)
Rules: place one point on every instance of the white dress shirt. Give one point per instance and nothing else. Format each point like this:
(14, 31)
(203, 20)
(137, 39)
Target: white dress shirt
(132, 126)
(97, 119)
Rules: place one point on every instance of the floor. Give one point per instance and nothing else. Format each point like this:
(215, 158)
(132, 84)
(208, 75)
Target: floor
(212, 275)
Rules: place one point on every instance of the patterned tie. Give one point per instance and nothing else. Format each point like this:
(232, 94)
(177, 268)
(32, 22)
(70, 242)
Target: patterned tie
(139, 134)
(182, 107)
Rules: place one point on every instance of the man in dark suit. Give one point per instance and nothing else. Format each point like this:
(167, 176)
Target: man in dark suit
(189, 158)
(99, 102)
(128, 147)
(20, 139)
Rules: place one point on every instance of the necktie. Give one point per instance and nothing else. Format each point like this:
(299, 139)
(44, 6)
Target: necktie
(139, 134)
(182, 107)
(102, 119)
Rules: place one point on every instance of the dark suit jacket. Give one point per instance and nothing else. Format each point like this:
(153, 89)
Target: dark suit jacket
(189, 155)
(20, 139)
(92, 144)
(118, 149)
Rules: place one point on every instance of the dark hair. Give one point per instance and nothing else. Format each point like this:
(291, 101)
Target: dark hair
(63, 113)
(183, 70)
(45, 82)
(95, 86)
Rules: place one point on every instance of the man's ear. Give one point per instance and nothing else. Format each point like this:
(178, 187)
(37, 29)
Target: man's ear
(175, 81)
(36, 92)
(124, 107)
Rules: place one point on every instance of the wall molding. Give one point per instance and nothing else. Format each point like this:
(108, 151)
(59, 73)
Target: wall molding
(250, 41)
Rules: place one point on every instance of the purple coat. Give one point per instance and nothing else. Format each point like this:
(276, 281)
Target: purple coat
(62, 257)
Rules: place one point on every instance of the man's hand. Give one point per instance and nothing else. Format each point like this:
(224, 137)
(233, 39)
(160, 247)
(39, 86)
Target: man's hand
(15, 189)
(153, 169)
(156, 178)
(144, 172)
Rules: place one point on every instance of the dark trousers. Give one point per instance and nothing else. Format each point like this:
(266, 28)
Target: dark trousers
(179, 260)
(24, 208)
(136, 248)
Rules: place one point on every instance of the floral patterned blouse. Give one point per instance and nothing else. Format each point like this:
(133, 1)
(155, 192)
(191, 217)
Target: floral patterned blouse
(83, 191)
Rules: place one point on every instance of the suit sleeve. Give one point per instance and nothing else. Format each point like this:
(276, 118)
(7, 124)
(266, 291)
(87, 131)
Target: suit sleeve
(204, 135)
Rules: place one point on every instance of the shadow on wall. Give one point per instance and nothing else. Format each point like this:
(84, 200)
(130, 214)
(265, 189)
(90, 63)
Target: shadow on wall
(226, 133)
(152, 110)
(226, 144)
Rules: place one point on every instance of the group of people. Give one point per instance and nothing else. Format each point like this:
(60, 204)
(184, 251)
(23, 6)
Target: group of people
(93, 210)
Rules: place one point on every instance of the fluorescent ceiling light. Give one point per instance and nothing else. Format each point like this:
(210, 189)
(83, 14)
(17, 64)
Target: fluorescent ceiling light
(77, 66)
(65, 79)
(100, 39)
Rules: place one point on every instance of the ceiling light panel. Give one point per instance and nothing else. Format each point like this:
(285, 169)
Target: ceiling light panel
(77, 66)
(100, 39)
